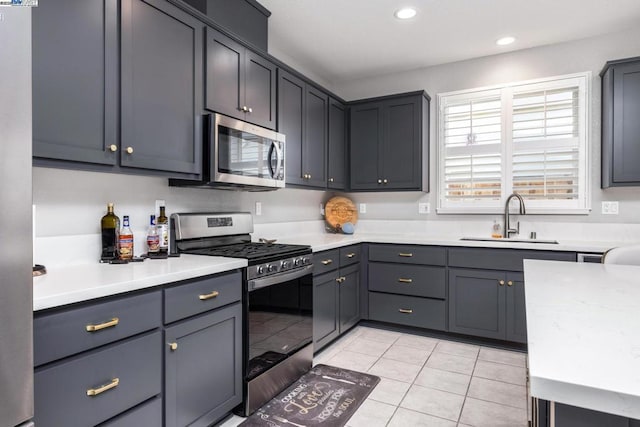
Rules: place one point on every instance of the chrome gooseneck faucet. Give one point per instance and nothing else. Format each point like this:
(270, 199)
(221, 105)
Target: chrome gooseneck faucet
(508, 231)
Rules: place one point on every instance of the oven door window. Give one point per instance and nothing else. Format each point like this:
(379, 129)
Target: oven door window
(280, 323)
(243, 153)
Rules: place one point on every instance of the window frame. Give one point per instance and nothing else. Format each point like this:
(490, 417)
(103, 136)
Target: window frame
(583, 80)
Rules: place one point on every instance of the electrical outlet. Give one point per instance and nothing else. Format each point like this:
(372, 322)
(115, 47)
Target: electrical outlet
(321, 209)
(258, 208)
(363, 208)
(610, 208)
(424, 208)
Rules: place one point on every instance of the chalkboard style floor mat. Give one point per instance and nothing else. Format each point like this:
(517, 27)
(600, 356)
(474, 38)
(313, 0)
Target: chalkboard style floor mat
(325, 396)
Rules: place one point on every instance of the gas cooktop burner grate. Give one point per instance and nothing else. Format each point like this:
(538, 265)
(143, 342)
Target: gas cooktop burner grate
(250, 250)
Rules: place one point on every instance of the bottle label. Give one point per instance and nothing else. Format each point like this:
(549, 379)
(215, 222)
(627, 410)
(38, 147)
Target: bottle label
(125, 246)
(163, 232)
(153, 243)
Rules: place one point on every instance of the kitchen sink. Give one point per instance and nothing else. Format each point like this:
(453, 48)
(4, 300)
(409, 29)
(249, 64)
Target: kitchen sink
(509, 240)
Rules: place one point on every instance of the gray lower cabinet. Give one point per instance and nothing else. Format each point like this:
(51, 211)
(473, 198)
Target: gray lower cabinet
(553, 414)
(161, 76)
(146, 414)
(620, 127)
(239, 83)
(203, 372)
(336, 294)
(337, 157)
(389, 143)
(302, 117)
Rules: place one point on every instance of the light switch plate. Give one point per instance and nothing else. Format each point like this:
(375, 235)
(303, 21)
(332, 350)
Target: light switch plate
(363, 208)
(610, 208)
(258, 208)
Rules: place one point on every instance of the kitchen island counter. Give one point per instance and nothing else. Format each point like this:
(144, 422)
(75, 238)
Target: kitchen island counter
(582, 327)
(70, 284)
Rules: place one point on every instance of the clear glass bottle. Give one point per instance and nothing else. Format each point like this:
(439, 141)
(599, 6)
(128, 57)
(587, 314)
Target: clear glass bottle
(109, 227)
(163, 230)
(496, 230)
(125, 240)
(153, 239)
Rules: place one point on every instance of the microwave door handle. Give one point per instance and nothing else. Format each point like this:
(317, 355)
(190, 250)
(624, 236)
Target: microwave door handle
(275, 148)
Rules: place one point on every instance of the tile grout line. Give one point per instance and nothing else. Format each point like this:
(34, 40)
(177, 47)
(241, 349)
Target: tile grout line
(468, 387)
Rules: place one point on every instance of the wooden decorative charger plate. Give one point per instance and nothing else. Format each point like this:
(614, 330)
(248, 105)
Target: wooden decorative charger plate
(340, 210)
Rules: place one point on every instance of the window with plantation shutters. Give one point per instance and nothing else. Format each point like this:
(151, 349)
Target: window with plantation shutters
(528, 138)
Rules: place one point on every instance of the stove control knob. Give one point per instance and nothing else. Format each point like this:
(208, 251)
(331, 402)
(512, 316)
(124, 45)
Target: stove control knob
(297, 261)
(271, 268)
(284, 265)
(261, 269)
(306, 260)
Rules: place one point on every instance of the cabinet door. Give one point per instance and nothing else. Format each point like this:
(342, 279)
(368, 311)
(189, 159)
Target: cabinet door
(349, 297)
(161, 87)
(314, 146)
(325, 309)
(75, 80)
(260, 90)
(337, 152)
(626, 126)
(516, 309)
(401, 150)
(366, 138)
(203, 372)
(477, 302)
(224, 85)
(291, 104)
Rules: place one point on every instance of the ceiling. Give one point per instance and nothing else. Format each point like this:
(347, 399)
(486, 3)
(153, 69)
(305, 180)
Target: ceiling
(342, 40)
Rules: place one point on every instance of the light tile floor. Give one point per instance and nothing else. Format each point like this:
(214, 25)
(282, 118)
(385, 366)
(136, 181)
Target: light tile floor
(430, 382)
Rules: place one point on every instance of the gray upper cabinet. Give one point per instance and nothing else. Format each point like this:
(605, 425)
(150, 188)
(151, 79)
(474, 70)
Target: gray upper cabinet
(337, 151)
(75, 81)
(389, 143)
(239, 83)
(620, 124)
(161, 87)
(302, 118)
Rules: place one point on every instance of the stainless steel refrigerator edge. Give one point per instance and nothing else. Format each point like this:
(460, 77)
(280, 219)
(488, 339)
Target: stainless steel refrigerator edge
(16, 253)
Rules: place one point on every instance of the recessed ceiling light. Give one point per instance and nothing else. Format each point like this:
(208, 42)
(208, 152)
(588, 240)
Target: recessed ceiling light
(505, 41)
(405, 13)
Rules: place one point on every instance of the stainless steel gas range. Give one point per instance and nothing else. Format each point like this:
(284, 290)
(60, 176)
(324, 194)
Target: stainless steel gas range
(277, 299)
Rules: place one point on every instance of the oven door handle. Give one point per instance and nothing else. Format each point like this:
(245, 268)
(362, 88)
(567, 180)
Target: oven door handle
(263, 282)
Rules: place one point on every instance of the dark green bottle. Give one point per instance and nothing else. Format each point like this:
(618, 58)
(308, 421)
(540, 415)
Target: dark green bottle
(110, 226)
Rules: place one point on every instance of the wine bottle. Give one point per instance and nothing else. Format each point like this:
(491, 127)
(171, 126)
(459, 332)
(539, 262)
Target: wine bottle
(163, 230)
(125, 240)
(109, 227)
(153, 239)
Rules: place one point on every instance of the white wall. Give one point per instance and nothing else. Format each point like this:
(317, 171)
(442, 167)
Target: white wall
(571, 57)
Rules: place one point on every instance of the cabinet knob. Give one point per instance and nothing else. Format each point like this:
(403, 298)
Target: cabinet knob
(173, 346)
(244, 108)
(510, 283)
(113, 148)
(330, 179)
(309, 176)
(250, 110)
(379, 181)
(384, 181)
(129, 150)
(501, 282)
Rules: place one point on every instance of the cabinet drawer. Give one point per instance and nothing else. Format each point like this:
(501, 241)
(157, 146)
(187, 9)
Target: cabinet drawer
(416, 311)
(64, 333)
(200, 295)
(62, 390)
(418, 280)
(408, 254)
(326, 261)
(502, 259)
(349, 255)
(147, 414)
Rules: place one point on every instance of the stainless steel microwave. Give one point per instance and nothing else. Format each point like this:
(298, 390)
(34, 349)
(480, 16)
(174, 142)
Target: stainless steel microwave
(239, 156)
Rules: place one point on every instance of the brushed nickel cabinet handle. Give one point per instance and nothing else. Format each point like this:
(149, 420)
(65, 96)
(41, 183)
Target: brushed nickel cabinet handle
(401, 280)
(405, 310)
(326, 261)
(173, 346)
(204, 297)
(96, 391)
(109, 324)
(351, 255)
(501, 282)
(509, 283)
(113, 148)
(406, 255)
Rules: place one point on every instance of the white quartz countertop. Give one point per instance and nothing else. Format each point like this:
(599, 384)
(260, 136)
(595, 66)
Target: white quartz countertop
(70, 284)
(583, 328)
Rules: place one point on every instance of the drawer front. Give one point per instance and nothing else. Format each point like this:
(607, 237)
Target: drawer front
(200, 295)
(418, 280)
(147, 414)
(61, 390)
(501, 259)
(406, 310)
(326, 261)
(349, 255)
(64, 333)
(408, 254)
